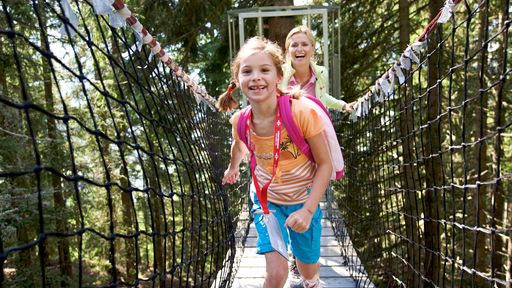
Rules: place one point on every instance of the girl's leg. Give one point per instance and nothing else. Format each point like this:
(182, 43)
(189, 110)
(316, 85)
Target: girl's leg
(277, 270)
(306, 248)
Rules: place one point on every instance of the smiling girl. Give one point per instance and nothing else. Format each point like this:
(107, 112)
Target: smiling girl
(295, 184)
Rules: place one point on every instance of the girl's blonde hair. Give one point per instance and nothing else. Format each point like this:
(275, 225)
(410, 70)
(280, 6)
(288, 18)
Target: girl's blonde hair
(252, 46)
(296, 30)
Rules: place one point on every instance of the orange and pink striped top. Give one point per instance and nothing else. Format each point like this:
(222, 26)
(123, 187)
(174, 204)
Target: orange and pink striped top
(295, 172)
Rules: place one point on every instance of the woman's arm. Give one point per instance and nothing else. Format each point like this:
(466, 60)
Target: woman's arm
(328, 100)
(333, 103)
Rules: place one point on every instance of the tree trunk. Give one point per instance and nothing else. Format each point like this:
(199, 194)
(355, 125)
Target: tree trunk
(61, 224)
(3, 80)
(3, 86)
(410, 177)
(104, 147)
(483, 173)
(11, 120)
(157, 223)
(433, 165)
(128, 222)
(278, 27)
(499, 195)
(508, 271)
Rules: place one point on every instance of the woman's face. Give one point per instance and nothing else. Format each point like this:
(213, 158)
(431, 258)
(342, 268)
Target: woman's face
(301, 49)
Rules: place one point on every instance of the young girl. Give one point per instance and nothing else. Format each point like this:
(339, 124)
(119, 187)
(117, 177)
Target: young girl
(296, 185)
(301, 71)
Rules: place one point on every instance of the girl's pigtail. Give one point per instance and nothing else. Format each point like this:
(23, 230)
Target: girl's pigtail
(226, 102)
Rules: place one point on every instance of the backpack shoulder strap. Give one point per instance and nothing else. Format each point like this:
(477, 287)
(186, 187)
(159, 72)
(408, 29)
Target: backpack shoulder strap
(319, 103)
(240, 129)
(291, 127)
(242, 123)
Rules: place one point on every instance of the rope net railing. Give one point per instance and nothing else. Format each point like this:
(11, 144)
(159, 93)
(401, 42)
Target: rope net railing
(109, 161)
(427, 196)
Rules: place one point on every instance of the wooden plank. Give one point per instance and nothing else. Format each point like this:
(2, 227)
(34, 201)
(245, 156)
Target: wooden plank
(325, 272)
(326, 283)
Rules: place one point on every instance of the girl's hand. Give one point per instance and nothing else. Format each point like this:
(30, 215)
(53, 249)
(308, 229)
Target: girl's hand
(231, 175)
(299, 220)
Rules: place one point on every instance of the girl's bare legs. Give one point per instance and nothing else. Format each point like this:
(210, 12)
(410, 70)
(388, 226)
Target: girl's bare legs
(310, 273)
(277, 270)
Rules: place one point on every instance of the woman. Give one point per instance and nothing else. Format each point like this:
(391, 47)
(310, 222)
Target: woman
(301, 71)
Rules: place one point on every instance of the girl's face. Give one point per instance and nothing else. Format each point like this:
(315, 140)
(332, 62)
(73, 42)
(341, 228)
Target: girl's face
(300, 50)
(258, 77)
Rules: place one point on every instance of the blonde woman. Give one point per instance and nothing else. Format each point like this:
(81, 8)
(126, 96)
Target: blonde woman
(301, 71)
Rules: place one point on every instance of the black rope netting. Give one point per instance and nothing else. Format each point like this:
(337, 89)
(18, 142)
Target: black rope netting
(427, 196)
(109, 168)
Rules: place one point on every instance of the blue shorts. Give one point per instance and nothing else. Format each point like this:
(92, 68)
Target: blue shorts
(305, 246)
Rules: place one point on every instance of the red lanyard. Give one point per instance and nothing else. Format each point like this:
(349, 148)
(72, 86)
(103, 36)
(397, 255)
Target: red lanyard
(262, 192)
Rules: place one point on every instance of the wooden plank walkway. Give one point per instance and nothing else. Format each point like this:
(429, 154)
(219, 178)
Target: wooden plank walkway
(333, 272)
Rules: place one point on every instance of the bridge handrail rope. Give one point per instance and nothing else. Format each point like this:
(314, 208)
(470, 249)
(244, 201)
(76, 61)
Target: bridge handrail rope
(123, 13)
(384, 86)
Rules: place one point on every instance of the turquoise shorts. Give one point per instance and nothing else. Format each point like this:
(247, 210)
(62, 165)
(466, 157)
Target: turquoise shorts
(304, 246)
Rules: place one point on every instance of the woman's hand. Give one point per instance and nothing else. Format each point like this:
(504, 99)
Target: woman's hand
(350, 107)
(231, 175)
(299, 220)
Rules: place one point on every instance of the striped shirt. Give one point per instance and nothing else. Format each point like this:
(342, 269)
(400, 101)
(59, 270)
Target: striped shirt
(295, 172)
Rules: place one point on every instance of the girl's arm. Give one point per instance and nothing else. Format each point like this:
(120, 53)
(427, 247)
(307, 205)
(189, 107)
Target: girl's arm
(318, 145)
(300, 220)
(232, 173)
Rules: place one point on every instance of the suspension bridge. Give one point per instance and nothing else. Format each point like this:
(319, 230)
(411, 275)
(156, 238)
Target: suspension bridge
(111, 157)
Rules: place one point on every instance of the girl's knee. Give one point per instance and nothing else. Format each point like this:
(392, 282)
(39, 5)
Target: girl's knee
(276, 276)
(308, 271)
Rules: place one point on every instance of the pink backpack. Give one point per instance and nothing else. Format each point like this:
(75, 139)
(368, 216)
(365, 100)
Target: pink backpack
(296, 135)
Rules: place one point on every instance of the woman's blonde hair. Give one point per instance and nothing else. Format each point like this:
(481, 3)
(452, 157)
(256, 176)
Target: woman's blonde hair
(296, 30)
(254, 45)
